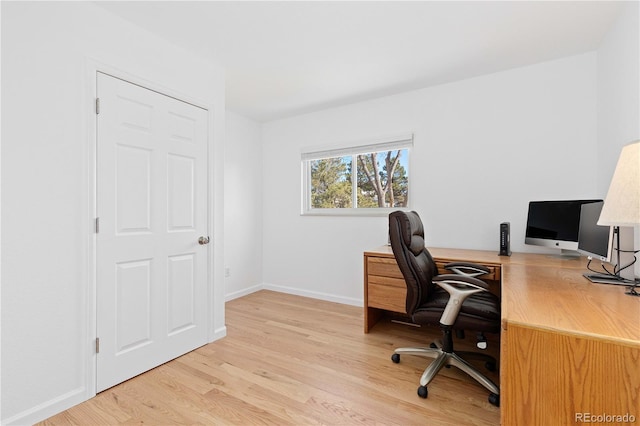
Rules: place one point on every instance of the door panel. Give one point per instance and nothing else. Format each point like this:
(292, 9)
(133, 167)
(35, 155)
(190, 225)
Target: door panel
(181, 289)
(181, 206)
(152, 204)
(133, 315)
(133, 189)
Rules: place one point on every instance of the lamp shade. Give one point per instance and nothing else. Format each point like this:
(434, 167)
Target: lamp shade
(622, 205)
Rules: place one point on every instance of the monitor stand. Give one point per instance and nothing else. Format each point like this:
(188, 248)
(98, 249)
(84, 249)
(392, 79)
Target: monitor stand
(605, 279)
(566, 254)
(632, 286)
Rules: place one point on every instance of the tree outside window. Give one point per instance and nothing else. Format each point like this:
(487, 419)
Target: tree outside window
(331, 183)
(370, 180)
(382, 179)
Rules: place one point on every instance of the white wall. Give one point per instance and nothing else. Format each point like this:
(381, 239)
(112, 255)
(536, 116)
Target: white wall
(242, 206)
(46, 229)
(619, 95)
(483, 148)
(618, 91)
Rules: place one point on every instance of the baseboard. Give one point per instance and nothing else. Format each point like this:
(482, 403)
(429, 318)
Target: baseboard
(314, 295)
(243, 292)
(296, 291)
(49, 408)
(219, 333)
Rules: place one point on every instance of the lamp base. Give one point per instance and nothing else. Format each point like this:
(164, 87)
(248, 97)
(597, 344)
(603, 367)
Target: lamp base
(623, 253)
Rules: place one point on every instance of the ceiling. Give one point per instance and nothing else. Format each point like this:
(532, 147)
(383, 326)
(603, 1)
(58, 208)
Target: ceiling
(291, 57)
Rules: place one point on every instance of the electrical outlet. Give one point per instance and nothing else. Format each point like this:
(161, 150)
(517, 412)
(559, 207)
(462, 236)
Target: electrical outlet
(227, 272)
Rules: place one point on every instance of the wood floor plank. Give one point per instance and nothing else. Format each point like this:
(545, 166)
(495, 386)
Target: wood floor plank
(299, 361)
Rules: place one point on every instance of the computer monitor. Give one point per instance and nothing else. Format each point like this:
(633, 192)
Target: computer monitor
(594, 240)
(555, 224)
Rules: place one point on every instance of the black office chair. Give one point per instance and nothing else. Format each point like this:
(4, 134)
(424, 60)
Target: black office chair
(454, 301)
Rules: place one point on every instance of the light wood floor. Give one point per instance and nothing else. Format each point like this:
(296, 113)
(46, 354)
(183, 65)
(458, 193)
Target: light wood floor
(294, 360)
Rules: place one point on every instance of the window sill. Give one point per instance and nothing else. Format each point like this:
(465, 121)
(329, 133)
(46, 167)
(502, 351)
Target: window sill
(363, 212)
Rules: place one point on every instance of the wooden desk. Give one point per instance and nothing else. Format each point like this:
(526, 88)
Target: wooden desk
(569, 348)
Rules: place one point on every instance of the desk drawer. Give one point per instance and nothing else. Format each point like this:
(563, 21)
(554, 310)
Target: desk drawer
(493, 275)
(384, 267)
(387, 293)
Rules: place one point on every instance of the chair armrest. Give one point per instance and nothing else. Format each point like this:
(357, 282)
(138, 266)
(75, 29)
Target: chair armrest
(467, 269)
(460, 281)
(459, 288)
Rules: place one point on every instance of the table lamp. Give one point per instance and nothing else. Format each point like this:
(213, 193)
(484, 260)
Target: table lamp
(621, 209)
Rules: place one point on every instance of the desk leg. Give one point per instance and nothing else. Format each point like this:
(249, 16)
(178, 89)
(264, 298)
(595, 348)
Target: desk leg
(371, 317)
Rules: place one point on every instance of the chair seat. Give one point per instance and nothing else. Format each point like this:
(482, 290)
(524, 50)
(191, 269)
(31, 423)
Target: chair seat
(479, 312)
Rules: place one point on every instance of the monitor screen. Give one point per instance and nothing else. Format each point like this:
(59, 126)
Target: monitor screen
(593, 239)
(555, 223)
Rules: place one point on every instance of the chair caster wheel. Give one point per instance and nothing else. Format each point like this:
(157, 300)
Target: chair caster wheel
(395, 358)
(490, 365)
(423, 392)
(433, 346)
(494, 399)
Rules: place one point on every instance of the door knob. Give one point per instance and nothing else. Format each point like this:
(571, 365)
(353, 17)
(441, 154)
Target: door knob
(203, 240)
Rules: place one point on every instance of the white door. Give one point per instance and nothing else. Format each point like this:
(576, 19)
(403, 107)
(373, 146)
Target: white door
(152, 270)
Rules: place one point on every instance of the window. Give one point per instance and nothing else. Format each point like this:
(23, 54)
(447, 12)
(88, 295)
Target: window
(363, 179)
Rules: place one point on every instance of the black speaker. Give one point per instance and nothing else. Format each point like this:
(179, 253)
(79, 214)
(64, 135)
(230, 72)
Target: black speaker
(505, 240)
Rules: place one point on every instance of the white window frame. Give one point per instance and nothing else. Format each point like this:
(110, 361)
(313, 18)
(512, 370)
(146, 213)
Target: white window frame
(403, 141)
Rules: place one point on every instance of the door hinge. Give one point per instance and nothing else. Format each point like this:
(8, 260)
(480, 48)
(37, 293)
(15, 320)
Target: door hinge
(97, 345)
(97, 225)
(97, 105)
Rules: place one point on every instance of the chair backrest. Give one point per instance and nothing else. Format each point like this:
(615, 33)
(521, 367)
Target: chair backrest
(406, 234)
